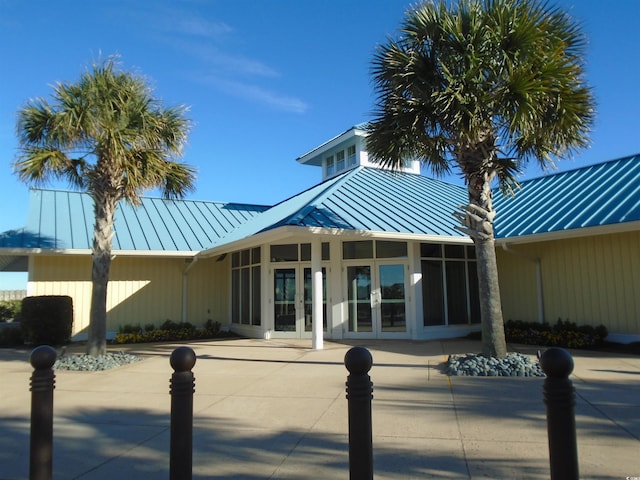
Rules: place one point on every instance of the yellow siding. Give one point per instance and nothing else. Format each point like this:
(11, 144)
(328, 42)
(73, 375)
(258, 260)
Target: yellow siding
(517, 287)
(141, 290)
(208, 286)
(591, 280)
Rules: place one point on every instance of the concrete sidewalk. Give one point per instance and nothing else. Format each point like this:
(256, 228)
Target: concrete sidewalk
(277, 409)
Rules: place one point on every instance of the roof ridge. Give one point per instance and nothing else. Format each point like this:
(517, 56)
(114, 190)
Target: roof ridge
(336, 182)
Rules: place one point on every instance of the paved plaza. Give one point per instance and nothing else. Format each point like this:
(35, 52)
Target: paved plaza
(275, 409)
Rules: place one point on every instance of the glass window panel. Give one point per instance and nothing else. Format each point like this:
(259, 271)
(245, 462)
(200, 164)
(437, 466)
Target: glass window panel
(235, 259)
(325, 251)
(474, 292)
(454, 251)
(359, 303)
(392, 301)
(433, 250)
(358, 249)
(340, 161)
(386, 249)
(305, 252)
(256, 310)
(284, 253)
(471, 251)
(351, 155)
(456, 293)
(245, 296)
(330, 166)
(255, 255)
(432, 293)
(245, 257)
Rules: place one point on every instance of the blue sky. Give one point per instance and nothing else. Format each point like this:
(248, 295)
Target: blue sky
(266, 81)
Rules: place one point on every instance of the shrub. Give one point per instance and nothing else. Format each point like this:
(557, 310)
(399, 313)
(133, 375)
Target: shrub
(562, 334)
(10, 309)
(171, 331)
(47, 320)
(11, 335)
(129, 328)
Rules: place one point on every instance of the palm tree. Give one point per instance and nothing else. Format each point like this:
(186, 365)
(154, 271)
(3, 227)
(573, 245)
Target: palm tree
(107, 135)
(482, 86)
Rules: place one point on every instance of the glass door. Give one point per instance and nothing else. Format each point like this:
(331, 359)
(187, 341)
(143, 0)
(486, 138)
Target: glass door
(284, 299)
(293, 303)
(376, 300)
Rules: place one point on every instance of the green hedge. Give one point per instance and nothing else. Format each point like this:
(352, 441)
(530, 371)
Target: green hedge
(47, 320)
(563, 334)
(169, 331)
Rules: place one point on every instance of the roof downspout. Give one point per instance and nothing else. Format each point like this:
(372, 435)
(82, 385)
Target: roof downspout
(538, 263)
(194, 260)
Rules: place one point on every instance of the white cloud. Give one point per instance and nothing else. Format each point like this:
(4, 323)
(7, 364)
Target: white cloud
(258, 94)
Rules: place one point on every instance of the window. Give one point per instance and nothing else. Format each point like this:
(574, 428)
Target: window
(364, 249)
(351, 156)
(449, 285)
(330, 166)
(340, 161)
(284, 253)
(305, 252)
(358, 249)
(245, 287)
(387, 249)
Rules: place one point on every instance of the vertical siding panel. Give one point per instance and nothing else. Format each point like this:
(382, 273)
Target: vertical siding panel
(589, 280)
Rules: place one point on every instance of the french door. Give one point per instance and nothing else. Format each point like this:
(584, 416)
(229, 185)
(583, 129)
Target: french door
(293, 306)
(376, 300)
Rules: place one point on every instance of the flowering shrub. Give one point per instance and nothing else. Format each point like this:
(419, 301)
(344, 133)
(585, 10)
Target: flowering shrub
(169, 331)
(562, 334)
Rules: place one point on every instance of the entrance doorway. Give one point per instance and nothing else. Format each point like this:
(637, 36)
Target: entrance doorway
(376, 305)
(293, 305)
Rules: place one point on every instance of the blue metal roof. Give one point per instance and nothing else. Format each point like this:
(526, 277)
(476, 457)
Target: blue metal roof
(363, 199)
(366, 199)
(63, 220)
(603, 194)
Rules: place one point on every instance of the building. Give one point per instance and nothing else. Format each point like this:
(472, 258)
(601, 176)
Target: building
(374, 253)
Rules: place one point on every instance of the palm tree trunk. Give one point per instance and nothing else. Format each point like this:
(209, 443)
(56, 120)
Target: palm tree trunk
(104, 209)
(479, 224)
(493, 338)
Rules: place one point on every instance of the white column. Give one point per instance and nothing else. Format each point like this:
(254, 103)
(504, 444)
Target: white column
(316, 295)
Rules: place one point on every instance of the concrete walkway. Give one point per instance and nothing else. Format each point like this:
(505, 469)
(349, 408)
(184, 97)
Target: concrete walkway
(277, 409)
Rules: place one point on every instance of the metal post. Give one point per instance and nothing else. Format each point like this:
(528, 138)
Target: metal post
(42, 384)
(182, 388)
(560, 398)
(358, 361)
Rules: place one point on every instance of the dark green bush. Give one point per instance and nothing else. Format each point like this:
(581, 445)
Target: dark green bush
(128, 328)
(10, 309)
(563, 334)
(47, 320)
(11, 335)
(171, 331)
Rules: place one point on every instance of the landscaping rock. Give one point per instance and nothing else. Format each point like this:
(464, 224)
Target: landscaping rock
(478, 365)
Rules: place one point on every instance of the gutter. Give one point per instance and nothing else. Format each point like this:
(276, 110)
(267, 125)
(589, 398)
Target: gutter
(538, 263)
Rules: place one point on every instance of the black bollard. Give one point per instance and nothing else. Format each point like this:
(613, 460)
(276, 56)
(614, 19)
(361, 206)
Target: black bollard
(560, 398)
(358, 361)
(42, 384)
(182, 388)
